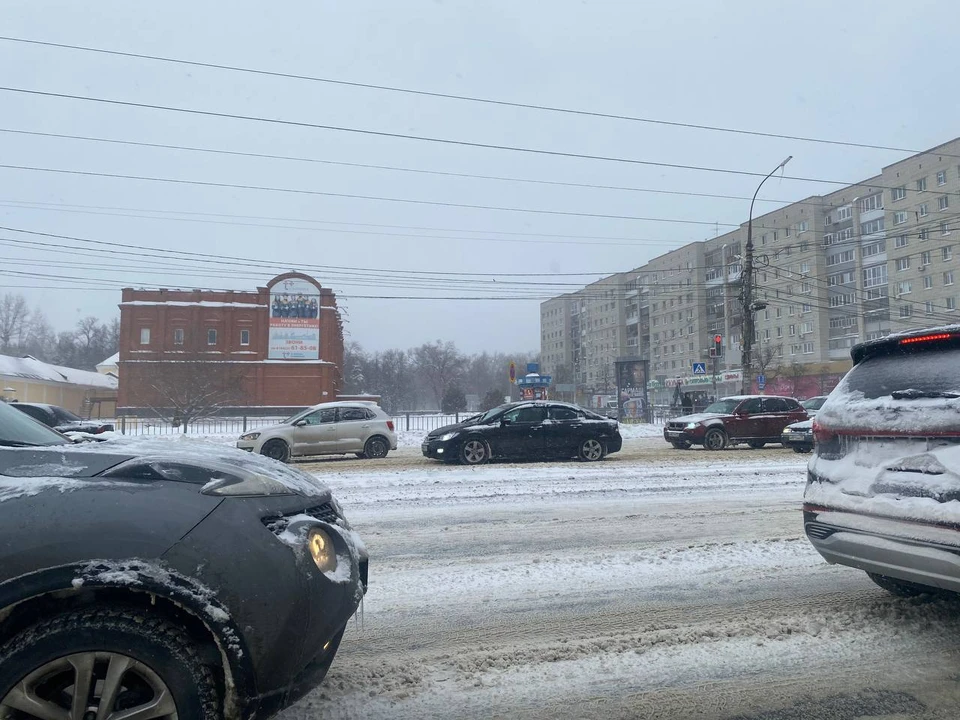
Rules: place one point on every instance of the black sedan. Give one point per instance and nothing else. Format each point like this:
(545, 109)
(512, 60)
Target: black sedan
(526, 430)
(164, 580)
(798, 436)
(61, 419)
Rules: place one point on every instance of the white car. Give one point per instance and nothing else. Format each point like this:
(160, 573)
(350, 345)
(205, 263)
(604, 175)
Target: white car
(337, 428)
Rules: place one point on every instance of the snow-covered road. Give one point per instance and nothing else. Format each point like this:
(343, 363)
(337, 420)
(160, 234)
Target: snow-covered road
(656, 584)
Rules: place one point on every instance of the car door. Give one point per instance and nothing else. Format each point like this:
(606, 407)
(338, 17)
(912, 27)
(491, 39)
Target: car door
(776, 416)
(316, 433)
(353, 429)
(520, 433)
(747, 420)
(563, 431)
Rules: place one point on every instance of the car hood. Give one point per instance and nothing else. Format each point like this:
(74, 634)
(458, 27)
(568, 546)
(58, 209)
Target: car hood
(451, 428)
(92, 460)
(699, 417)
(802, 426)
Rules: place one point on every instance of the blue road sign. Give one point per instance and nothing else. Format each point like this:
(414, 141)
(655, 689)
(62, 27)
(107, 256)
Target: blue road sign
(761, 381)
(699, 368)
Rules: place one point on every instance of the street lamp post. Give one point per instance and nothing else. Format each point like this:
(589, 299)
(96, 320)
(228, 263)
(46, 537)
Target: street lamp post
(747, 294)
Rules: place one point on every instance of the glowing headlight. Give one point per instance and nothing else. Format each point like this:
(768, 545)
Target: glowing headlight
(690, 426)
(250, 436)
(448, 436)
(321, 548)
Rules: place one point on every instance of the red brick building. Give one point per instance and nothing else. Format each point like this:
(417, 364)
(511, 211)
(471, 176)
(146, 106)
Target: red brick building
(280, 346)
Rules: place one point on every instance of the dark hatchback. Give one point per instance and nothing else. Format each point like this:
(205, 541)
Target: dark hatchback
(164, 579)
(533, 430)
(883, 484)
(753, 419)
(61, 419)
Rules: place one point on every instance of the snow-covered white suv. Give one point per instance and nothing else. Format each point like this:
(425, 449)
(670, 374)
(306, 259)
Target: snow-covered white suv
(883, 485)
(337, 428)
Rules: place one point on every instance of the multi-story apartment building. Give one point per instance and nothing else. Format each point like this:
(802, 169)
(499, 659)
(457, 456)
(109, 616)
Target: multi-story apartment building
(830, 271)
(556, 338)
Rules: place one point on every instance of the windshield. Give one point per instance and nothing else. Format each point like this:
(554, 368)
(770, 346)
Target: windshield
(814, 403)
(491, 414)
(925, 372)
(20, 430)
(65, 416)
(722, 406)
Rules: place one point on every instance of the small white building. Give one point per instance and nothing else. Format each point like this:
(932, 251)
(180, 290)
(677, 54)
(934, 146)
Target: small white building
(87, 393)
(110, 366)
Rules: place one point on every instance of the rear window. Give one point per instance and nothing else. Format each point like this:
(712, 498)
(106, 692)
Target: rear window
(932, 371)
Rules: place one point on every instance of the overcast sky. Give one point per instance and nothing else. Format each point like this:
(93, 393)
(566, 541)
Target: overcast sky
(867, 72)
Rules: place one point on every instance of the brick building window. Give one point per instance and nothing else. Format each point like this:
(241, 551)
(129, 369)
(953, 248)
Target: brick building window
(244, 337)
(144, 336)
(178, 336)
(211, 336)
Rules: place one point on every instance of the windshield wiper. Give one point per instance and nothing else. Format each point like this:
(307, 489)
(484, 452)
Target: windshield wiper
(912, 394)
(18, 443)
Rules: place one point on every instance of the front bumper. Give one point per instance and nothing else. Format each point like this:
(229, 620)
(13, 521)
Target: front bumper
(436, 449)
(248, 445)
(912, 551)
(694, 437)
(803, 441)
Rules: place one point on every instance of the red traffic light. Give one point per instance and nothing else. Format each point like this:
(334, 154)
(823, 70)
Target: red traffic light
(718, 339)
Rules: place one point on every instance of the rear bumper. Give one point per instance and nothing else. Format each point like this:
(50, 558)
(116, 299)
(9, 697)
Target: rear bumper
(915, 552)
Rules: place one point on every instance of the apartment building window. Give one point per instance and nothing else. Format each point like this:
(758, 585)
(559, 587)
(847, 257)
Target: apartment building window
(793, 349)
(923, 210)
(874, 202)
(804, 246)
(802, 227)
(793, 330)
(805, 288)
(948, 277)
(840, 278)
(144, 336)
(829, 239)
(786, 231)
(903, 263)
(244, 337)
(779, 313)
(901, 242)
(791, 310)
(178, 336)
(808, 348)
(944, 228)
(925, 257)
(806, 327)
(805, 267)
(827, 220)
(924, 235)
(921, 184)
(780, 332)
(805, 308)
(766, 334)
(838, 300)
(899, 217)
(928, 307)
(904, 287)
(211, 336)
(951, 303)
(874, 226)
(942, 177)
(943, 202)
(947, 253)
(775, 235)
(874, 276)
(842, 257)
(906, 311)
(898, 193)
(927, 282)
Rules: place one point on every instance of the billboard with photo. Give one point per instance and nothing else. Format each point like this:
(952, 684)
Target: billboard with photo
(294, 321)
(632, 387)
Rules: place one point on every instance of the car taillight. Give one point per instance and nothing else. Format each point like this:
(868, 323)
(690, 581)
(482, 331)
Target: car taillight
(390, 425)
(821, 434)
(933, 337)
(828, 443)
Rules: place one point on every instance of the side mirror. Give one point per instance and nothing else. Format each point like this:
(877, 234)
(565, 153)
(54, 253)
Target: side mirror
(300, 423)
(504, 422)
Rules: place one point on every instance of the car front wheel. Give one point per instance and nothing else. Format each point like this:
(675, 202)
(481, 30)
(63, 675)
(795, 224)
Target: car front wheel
(105, 663)
(592, 450)
(715, 439)
(474, 452)
(681, 445)
(276, 449)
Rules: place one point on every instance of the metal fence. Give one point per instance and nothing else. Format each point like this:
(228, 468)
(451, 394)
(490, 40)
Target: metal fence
(208, 426)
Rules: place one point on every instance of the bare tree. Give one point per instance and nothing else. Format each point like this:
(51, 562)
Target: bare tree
(439, 365)
(13, 321)
(190, 390)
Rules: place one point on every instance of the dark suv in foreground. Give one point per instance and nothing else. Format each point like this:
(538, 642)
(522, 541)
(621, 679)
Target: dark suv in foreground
(164, 579)
(753, 419)
(883, 484)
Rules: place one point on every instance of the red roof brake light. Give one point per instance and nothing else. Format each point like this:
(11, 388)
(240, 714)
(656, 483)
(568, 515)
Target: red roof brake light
(927, 338)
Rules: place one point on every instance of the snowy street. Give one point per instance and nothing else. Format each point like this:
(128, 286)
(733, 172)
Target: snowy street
(655, 584)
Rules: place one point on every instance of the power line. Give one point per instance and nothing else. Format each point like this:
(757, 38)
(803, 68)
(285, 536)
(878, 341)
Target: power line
(404, 136)
(298, 191)
(465, 98)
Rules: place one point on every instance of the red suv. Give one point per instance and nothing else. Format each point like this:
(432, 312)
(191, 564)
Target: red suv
(753, 419)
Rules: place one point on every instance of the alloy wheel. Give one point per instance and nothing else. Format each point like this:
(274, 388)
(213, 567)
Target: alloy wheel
(474, 452)
(90, 686)
(591, 449)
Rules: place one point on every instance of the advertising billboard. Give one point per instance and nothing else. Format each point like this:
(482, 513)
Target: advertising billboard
(294, 321)
(632, 388)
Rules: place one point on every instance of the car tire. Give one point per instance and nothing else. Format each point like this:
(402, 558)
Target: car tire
(901, 588)
(376, 447)
(156, 663)
(681, 445)
(276, 450)
(592, 450)
(474, 451)
(800, 450)
(715, 439)
(756, 444)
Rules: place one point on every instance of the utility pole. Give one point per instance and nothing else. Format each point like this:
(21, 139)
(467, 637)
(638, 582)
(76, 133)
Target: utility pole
(746, 295)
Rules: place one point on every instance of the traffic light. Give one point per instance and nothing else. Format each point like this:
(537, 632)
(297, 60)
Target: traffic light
(717, 346)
